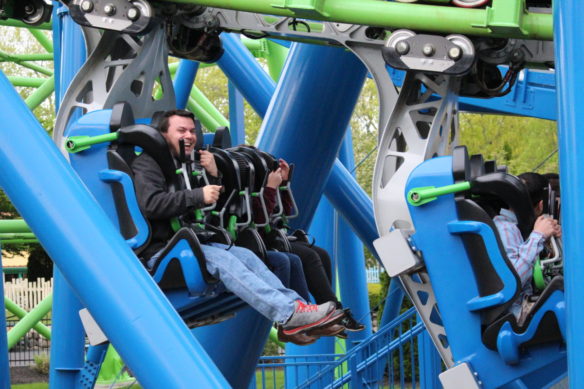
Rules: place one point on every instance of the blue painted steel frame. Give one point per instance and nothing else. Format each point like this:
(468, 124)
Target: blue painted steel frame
(569, 33)
(183, 81)
(68, 337)
(351, 261)
(94, 258)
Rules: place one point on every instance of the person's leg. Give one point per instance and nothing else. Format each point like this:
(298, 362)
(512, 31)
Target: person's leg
(280, 265)
(247, 285)
(297, 278)
(256, 266)
(326, 261)
(316, 278)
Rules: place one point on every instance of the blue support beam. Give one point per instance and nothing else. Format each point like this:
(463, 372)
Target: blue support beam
(351, 261)
(236, 115)
(301, 132)
(393, 302)
(244, 71)
(68, 337)
(295, 119)
(183, 81)
(94, 259)
(353, 203)
(568, 35)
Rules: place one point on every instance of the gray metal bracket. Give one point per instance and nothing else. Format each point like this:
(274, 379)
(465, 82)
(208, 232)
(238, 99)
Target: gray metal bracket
(420, 127)
(120, 68)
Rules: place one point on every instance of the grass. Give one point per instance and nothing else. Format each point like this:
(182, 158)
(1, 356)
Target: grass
(272, 382)
(374, 288)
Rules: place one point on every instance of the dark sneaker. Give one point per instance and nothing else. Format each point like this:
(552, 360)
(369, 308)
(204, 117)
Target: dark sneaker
(329, 330)
(350, 323)
(307, 316)
(301, 338)
(342, 335)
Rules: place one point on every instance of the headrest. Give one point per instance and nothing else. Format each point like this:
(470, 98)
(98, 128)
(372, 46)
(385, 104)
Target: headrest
(222, 138)
(477, 165)
(460, 164)
(152, 143)
(122, 116)
(510, 190)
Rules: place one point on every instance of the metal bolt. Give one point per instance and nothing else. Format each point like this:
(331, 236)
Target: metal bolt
(402, 47)
(133, 13)
(428, 50)
(87, 6)
(455, 53)
(109, 9)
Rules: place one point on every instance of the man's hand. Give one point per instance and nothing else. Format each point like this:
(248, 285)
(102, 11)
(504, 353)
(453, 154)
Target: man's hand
(285, 169)
(547, 226)
(208, 162)
(274, 179)
(211, 193)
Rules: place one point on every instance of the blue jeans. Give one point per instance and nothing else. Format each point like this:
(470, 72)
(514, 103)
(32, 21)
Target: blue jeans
(288, 268)
(246, 276)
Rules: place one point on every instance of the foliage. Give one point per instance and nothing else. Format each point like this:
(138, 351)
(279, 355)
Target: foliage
(518, 142)
(39, 265)
(41, 363)
(19, 41)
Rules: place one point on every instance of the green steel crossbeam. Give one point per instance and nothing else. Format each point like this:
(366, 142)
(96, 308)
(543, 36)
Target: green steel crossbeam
(5, 57)
(27, 57)
(18, 23)
(30, 320)
(39, 327)
(14, 226)
(505, 18)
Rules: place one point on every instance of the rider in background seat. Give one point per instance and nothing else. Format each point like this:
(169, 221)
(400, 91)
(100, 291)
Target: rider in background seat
(524, 253)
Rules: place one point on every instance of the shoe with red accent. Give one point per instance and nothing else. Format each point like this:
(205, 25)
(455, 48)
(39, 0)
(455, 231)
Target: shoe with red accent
(308, 316)
(301, 339)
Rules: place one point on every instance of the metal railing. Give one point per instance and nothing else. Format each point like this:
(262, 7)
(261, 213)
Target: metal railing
(388, 359)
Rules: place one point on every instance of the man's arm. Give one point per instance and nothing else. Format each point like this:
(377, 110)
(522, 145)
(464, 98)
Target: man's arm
(153, 196)
(522, 254)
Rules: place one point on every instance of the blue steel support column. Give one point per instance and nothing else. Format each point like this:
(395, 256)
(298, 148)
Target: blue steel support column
(299, 129)
(244, 71)
(568, 35)
(393, 302)
(183, 81)
(4, 368)
(353, 203)
(236, 115)
(323, 230)
(430, 362)
(68, 337)
(95, 260)
(351, 262)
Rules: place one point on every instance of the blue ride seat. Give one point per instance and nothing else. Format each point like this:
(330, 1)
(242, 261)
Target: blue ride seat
(474, 282)
(498, 282)
(181, 270)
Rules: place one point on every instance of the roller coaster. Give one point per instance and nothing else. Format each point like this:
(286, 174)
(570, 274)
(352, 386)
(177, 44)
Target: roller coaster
(425, 222)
